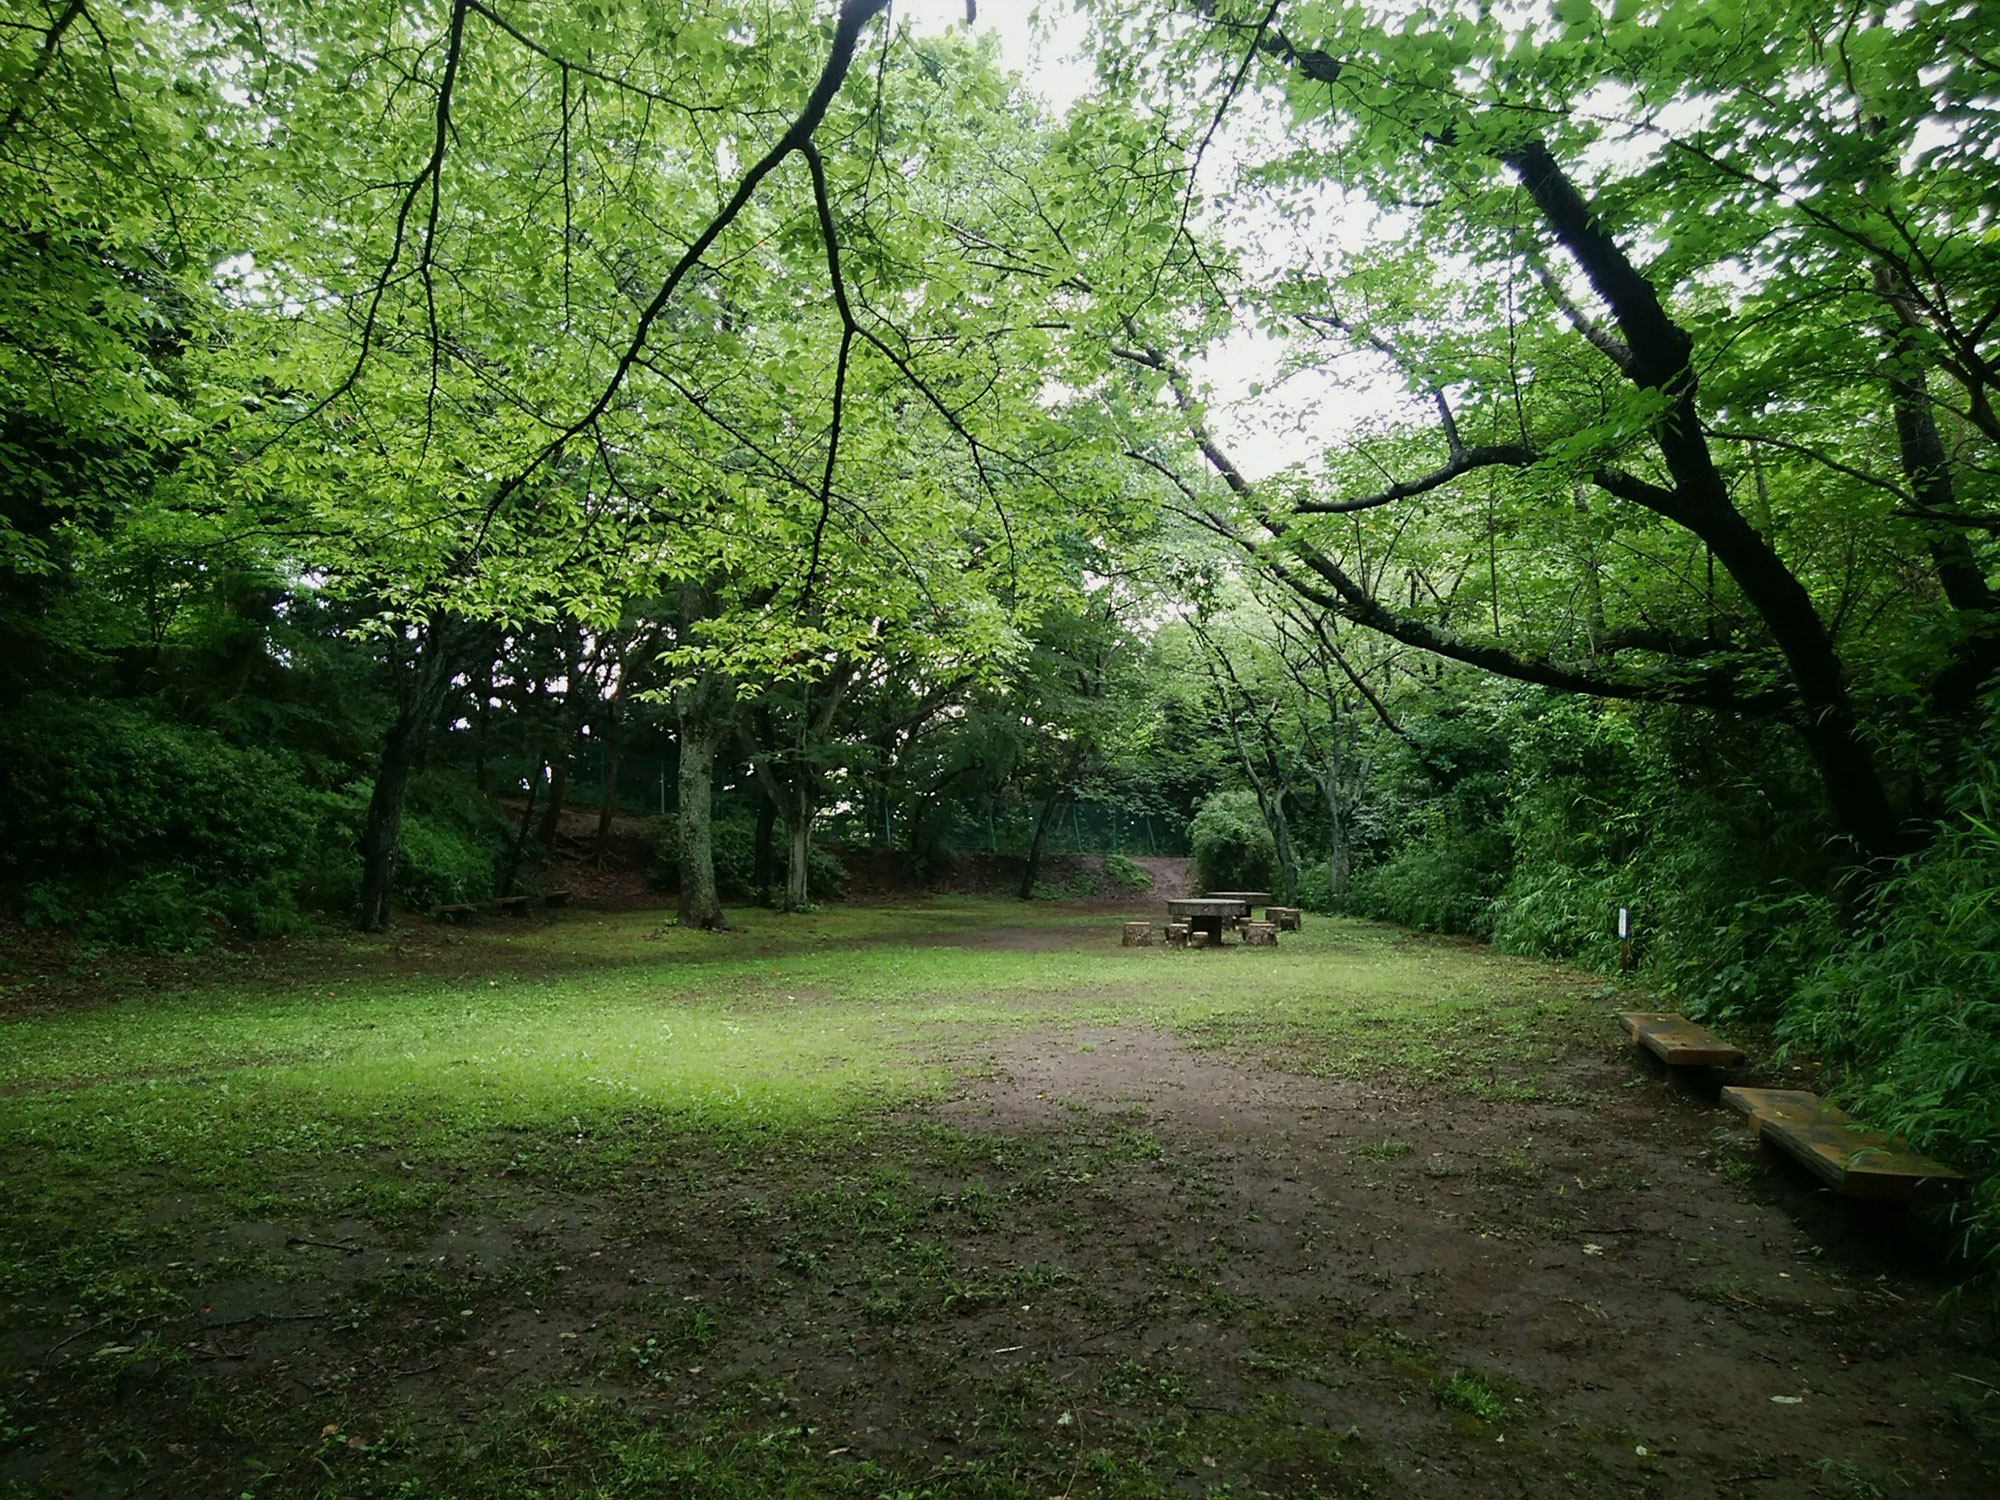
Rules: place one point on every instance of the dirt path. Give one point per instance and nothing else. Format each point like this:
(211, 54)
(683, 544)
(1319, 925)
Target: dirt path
(1645, 1325)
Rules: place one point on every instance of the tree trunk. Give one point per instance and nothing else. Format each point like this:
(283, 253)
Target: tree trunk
(1280, 824)
(1662, 360)
(518, 850)
(798, 847)
(607, 805)
(1051, 809)
(382, 833)
(551, 824)
(764, 864)
(422, 696)
(699, 905)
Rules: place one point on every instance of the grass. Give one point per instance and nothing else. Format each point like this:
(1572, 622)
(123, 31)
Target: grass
(581, 1209)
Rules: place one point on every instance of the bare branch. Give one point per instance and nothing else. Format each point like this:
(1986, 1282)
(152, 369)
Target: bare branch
(1464, 461)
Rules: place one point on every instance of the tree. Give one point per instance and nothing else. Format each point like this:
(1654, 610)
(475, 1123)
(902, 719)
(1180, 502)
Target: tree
(1457, 141)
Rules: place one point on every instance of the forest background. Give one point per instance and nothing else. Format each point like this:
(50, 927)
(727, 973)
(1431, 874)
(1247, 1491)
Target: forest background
(782, 420)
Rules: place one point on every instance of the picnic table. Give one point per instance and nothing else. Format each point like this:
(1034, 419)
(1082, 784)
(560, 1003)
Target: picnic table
(1248, 898)
(1207, 913)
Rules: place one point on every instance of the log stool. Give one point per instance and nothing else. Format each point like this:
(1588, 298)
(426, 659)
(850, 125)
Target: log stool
(1260, 934)
(1177, 934)
(1138, 934)
(1200, 939)
(1284, 918)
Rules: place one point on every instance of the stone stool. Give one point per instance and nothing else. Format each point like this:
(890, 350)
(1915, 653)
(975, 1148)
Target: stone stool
(1138, 934)
(1177, 934)
(1284, 918)
(1260, 934)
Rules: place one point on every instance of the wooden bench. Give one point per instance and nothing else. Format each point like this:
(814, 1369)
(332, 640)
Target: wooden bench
(1759, 1106)
(1138, 935)
(1679, 1042)
(456, 911)
(1851, 1158)
(515, 905)
(555, 898)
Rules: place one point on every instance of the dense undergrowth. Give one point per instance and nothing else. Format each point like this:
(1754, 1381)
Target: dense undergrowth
(131, 825)
(1531, 821)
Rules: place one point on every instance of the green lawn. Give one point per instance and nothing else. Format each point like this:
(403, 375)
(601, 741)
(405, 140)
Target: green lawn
(576, 1209)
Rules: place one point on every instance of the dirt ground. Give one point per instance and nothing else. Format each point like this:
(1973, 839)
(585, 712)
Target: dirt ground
(1107, 1261)
(1664, 1330)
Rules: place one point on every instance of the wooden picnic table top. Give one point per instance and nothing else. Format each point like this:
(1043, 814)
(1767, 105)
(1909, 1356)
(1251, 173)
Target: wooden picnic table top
(1205, 906)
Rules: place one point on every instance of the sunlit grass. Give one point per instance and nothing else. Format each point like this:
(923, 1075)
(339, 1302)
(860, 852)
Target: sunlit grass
(329, 1091)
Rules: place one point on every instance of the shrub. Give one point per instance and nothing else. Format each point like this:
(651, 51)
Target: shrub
(1122, 872)
(92, 789)
(1907, 1013)
(441, 862)
(1233, 849)
(137, 831)
(1438, 884)
(1315, 891)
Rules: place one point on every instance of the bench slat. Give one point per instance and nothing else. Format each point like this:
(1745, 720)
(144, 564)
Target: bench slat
(1859, 1161)
(1760, 1106)
(1679, 1042)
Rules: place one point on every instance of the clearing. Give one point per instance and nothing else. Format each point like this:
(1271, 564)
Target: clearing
(958, 1199)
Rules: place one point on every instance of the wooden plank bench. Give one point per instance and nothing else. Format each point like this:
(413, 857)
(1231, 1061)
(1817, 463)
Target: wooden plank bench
(1760, 1106)
(1679, 1042)
(455, 911)
(1853, 1159)
(555, 898)
(516, 905)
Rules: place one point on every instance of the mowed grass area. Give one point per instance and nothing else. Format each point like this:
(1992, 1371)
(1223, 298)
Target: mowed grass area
(574, 1208)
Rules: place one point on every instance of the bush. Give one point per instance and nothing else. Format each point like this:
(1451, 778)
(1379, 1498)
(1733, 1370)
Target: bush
(1907, 1013)
(134, 830)
(1233, 849)
(1122, 872)
(1445, 883)
(92, 789)
(1315, 891)
(440, 862)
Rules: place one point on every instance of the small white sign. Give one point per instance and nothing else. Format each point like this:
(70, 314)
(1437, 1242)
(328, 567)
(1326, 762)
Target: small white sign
(1624, 922)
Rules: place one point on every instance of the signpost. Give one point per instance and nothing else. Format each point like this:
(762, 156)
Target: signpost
(1624, 940)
